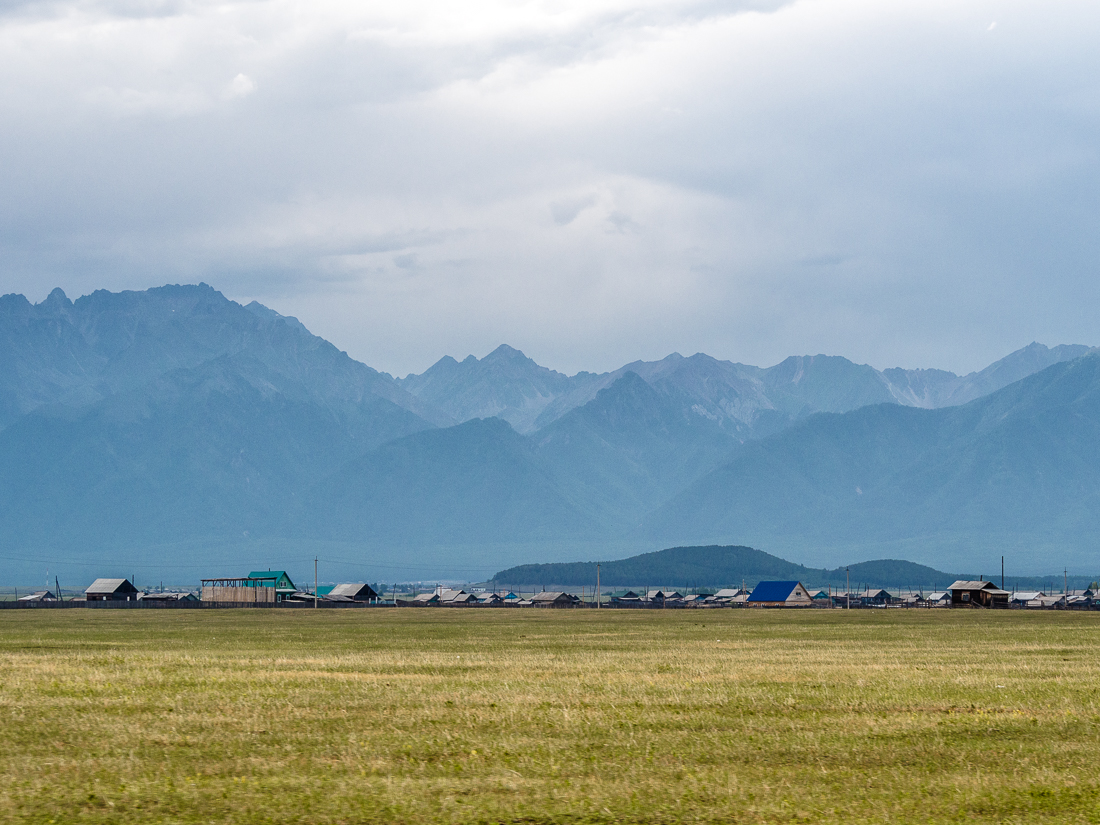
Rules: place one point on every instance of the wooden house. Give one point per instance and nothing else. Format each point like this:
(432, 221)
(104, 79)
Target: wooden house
(779, 594)
(111, 590)
(554, 598)
(349, 593)
(978, 594)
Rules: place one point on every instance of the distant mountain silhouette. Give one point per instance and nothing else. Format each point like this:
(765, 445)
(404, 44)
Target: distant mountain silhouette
(717, 566)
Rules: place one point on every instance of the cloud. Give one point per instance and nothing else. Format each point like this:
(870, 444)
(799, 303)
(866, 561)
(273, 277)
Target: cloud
(242, 86)
(590, 181)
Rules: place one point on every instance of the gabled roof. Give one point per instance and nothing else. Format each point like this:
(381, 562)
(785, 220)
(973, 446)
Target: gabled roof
(426, 597)
(40, 596)
(553, 596)
(1028, 595)
(353, 591)
(973, 585)
(111, 586)
(283, 584)
(772, 591)
(664, 594)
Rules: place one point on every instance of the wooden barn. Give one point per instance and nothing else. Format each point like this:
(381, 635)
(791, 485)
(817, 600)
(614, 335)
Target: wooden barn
(111, 590)
(978, 594)
(350, 593)
(554, 598)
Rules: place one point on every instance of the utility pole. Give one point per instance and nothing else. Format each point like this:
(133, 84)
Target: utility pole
(1065, 588)
(1002, 572)
(847, 588)
(314, 581)
(598, 585)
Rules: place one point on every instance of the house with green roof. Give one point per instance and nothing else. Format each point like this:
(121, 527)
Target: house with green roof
(284, 587)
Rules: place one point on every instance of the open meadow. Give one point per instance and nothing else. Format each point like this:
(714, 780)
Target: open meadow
(406, 715)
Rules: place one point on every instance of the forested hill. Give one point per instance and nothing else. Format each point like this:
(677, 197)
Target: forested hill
(721, 566)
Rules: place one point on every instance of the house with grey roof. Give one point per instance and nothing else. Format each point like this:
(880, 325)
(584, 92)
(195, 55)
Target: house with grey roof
(111, 590)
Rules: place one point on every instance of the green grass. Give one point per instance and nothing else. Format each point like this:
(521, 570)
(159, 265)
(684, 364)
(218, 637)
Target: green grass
(549, 716)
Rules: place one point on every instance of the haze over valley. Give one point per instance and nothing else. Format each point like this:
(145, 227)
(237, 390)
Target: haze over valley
(184, 434)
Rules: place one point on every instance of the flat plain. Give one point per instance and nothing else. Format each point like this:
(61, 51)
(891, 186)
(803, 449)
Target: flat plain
(491, 715)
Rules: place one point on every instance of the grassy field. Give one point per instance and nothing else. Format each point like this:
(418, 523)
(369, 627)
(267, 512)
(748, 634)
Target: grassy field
(549, 716)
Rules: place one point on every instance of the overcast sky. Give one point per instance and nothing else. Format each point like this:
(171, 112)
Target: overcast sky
(906, 183)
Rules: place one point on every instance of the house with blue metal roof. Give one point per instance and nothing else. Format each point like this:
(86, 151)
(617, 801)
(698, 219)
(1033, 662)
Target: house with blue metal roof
(780, 594)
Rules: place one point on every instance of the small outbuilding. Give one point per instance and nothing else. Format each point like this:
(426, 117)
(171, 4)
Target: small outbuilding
(111, 590)
(350, 593)
(779, 594)
(40, 596)
(978, 594)
(554, 598)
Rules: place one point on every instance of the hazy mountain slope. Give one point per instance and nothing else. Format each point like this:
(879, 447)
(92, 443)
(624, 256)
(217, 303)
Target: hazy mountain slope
(1022, 463)
(631, 448)
(717, 566)
(60, 352)
(504, 384)
(479, 481)
(216, 450)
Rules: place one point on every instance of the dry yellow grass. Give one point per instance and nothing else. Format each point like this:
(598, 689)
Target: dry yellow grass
(548, 716)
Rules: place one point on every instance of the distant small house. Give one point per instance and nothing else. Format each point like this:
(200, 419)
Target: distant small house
(727, 593)
(40, 596)
(111, 590)
(939, 599)
(663, 596)
(779, 594)
(978, 594)
(554, 598)
(629, 597)
(426, 598)
(875, 597)
(456, 597)
(1027, 598)
(490, 598)
(350, 593)
(820, 595)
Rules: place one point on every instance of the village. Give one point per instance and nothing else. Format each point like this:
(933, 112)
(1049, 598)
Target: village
(274, 588)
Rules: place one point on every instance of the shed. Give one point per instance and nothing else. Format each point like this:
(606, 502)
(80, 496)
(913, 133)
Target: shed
(978, 594)
(554, 598)
(780, 594)
(40, 596)
(111, 590)
(939, 598)
(351, 592)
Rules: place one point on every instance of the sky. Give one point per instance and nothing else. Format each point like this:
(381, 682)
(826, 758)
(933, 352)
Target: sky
(910, 183)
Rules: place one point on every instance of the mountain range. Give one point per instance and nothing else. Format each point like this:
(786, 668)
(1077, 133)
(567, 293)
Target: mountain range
(176, 428)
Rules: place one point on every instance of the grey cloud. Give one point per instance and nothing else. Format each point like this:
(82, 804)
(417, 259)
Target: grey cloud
(898, 185)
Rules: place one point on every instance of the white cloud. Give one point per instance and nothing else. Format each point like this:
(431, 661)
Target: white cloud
(242, 86)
